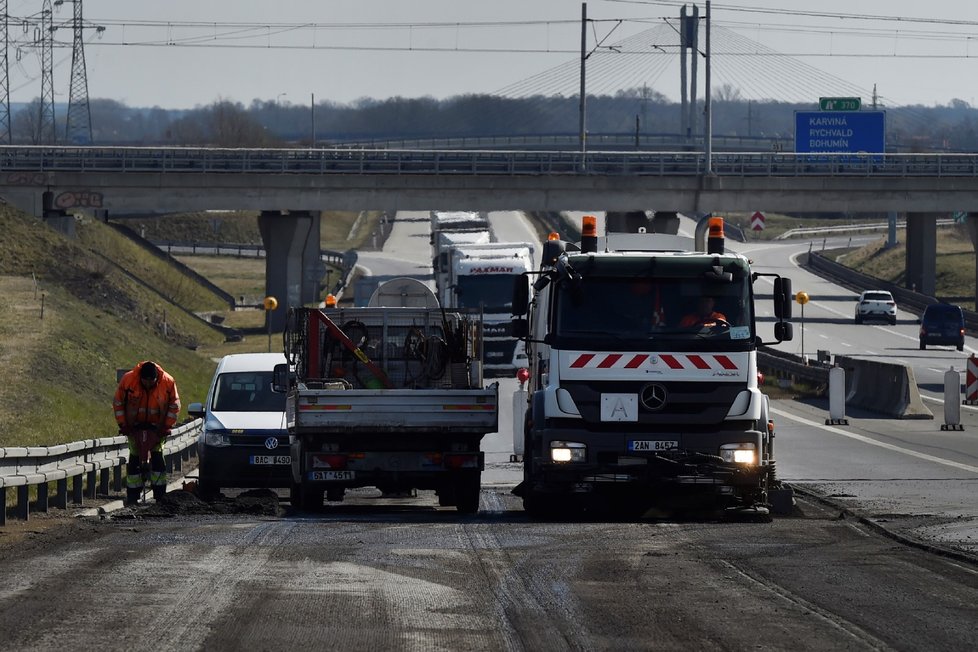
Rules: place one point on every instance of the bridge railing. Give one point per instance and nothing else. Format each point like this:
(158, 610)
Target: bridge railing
(88, 463)
(22, 164)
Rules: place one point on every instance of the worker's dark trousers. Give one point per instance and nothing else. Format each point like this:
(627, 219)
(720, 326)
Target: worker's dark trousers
(135, 479)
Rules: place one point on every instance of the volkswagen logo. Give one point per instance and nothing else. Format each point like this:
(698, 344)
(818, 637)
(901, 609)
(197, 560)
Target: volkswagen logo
(653, 397)
(271, 443)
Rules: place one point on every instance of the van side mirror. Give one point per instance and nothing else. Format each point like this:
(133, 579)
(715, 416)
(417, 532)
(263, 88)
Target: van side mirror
(196, 410)
(281, 378)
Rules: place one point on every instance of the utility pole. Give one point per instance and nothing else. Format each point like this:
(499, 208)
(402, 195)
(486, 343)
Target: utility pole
(583, 133)
(5, 132)
(78, 126)
(312, 117)
(708, 100)
(688, 40)
(46, 127)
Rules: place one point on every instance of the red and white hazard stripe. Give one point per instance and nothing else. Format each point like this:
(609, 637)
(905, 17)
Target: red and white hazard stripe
(971, 381)
(674, 361)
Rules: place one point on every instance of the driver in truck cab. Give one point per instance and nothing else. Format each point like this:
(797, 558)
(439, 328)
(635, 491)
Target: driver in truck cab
(705, 314)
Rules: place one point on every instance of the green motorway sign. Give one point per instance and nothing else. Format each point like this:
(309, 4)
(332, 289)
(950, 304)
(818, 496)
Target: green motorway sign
(839, 103)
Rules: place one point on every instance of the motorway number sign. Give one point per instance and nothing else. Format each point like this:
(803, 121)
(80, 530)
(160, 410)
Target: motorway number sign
(263, 460)
(839, 103)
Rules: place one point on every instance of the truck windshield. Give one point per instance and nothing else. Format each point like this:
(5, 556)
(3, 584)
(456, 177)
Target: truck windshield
(491, 292)
(623, 309)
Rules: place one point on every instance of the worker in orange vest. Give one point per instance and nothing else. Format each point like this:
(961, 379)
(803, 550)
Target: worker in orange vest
(705, 315)
(146, 400)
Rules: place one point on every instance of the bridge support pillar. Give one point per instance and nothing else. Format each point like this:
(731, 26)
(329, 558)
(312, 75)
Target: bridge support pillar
(922, 252)
(972, 222)
(286, 238)
(313, 267)
(56, 218)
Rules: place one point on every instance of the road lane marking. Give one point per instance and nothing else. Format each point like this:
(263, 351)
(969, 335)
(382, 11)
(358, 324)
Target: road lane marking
(874, 442)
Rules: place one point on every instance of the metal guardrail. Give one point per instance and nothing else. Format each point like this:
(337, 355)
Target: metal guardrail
(87, 463)
(876, 226)
(30, 160)
(906, 299)
(337, 258)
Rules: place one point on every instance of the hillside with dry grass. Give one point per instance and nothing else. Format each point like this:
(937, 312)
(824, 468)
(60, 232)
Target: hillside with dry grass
(76, 311)
(79, 309)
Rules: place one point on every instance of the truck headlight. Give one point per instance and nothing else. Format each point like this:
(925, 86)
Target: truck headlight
(743, 453)
(217, 438)
(563, 452)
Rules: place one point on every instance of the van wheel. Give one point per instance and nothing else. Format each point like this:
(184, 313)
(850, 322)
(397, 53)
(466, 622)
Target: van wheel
(207, 490)
(961, 347)
(922, 346)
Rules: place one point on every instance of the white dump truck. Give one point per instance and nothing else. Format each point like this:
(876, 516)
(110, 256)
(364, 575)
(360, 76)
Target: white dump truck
(643, 384)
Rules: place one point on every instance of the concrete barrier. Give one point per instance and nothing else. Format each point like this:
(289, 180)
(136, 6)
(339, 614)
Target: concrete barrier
(884, 387)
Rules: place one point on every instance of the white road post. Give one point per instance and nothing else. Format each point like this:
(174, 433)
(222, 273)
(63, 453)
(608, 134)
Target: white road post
(837, 397)
(952, 400)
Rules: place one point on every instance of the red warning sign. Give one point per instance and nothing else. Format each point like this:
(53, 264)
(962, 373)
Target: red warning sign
(757, 221)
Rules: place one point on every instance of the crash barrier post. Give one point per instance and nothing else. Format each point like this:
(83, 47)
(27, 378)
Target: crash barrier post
(952, 401)
(885, 387)
(24, 467)
(837, 397)
(971, 381)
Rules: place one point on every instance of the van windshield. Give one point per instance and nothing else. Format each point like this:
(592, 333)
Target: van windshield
(247, 391)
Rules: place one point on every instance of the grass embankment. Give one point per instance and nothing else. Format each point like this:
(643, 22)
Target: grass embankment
(76, 313)
(955, 264)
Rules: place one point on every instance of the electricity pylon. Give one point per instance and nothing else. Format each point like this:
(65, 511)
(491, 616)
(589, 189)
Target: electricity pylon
(45, 131)
(78, 126)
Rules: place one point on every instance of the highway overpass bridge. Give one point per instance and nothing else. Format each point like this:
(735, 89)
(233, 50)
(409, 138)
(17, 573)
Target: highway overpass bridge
(291, 186)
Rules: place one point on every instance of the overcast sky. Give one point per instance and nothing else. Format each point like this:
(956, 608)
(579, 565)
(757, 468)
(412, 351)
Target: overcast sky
(184, 53)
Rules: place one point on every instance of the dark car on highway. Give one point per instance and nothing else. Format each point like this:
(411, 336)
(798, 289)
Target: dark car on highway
(942, 323)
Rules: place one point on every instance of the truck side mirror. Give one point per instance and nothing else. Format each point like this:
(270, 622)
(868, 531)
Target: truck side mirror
(783, 331)
(520, 329)
(782, 298)
(280, 378)
(521, 296)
